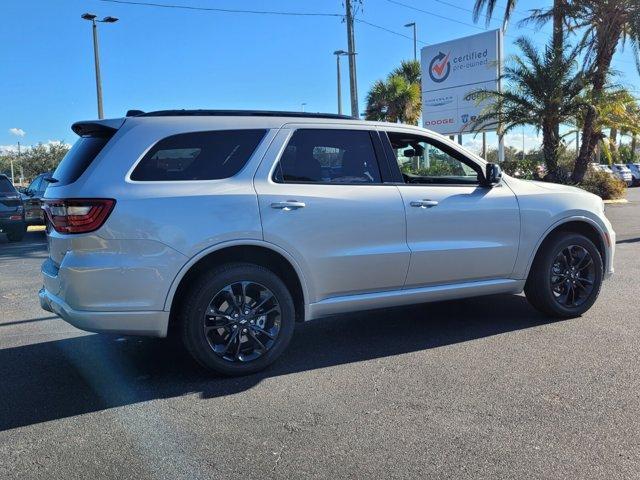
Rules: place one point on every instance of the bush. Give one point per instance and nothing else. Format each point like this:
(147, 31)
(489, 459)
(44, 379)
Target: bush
(604, 185)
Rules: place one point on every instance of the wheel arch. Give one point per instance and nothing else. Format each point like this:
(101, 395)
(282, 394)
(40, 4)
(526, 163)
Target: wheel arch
(581, 225)
(257, 252)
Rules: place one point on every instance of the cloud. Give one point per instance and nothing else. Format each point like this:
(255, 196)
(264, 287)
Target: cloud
(531, 142)
(18, 132)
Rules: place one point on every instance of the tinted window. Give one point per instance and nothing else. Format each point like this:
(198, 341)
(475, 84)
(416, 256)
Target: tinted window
(198, 156)
(329, 156)
(78, 159)
(6, 186)
(425, 161)
(36, 184)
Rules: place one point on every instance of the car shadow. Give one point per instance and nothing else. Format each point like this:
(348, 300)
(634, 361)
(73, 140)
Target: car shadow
(62, 378)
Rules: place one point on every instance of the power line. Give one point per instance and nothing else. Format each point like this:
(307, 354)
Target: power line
(388, 30)
(225, 10)
(442, 17)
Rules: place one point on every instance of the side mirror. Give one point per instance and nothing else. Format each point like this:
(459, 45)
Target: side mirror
(493, 174)
(409, 153)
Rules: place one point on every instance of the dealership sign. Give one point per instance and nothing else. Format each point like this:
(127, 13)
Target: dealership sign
(451, 72)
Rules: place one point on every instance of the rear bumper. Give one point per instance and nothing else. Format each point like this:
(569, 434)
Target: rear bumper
(148, 323)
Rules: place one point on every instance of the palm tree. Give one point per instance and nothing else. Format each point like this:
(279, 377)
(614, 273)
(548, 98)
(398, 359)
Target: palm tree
(398, 98)
(394, 100)
(559, 14)
(606, 24)
(541, 90)
(410, 70)
(489, 6)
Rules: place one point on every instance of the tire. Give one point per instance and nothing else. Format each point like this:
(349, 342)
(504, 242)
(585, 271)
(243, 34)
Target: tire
(17, 235)
(205, 296)
(549, 299)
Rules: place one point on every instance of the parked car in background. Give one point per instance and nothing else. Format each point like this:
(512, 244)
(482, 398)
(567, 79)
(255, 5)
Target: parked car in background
(635, 172)
(226, 228)
(623, 173)
(32, 197)
(11, 211)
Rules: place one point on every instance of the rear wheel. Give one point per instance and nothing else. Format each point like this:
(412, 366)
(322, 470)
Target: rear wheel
(18, 234)
(237, 319)
(566, 276)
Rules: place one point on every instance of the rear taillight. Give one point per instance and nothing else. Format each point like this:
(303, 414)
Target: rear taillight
(78, 215)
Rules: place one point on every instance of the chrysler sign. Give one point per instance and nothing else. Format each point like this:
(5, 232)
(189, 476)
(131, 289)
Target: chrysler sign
(451, 72)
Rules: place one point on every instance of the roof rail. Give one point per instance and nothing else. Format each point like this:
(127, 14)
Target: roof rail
(240, 113)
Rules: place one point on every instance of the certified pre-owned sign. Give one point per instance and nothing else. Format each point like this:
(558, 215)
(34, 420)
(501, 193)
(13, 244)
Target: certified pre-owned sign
(451, 72)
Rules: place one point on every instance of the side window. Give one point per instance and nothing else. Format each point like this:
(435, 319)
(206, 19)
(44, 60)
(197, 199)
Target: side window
(329, 156)
(198, 156)
(425, 161)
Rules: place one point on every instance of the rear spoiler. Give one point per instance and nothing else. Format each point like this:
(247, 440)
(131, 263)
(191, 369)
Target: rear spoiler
(97, 127)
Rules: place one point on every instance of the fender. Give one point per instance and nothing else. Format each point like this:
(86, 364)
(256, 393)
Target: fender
(238, 243)
(573, 218)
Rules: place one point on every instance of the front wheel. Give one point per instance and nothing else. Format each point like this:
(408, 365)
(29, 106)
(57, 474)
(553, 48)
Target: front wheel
(237, 319)
(566, 276)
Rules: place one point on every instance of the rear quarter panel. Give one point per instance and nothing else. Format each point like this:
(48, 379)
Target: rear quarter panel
(155, 227)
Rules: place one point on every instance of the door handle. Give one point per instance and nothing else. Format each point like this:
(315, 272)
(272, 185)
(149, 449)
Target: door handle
(425, 203)
(288, 205)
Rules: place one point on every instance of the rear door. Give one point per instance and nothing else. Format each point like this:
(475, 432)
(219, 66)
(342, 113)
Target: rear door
(457, 229)
(323, 199)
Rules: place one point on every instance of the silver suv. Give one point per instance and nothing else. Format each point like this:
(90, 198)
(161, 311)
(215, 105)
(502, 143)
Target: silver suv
(228, 227)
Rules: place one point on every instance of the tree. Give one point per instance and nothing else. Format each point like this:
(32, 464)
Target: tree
(605, 25)
(34, 160)
(558, 13)
(489, 6)
(398, 98)
(541, 90)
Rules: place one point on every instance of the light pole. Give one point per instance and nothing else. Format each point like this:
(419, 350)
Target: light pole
(96, 55)
(338, 54)
(302, 105)
(415, 39)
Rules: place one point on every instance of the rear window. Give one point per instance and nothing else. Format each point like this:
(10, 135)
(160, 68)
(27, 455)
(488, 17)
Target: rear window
(6, 186)
(198, 156)
(78, 159)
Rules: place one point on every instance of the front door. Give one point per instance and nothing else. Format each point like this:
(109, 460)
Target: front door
(322, 199)
(457, 229)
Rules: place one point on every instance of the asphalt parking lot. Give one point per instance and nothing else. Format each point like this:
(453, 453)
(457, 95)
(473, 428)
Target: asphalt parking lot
(481, 388)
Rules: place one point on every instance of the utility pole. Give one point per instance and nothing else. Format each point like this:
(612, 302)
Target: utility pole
(96, 54)
(351, 47)
(415, 40)
(338, 54)
(20, 163)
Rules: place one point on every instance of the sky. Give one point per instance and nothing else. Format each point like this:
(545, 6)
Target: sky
(159, 58)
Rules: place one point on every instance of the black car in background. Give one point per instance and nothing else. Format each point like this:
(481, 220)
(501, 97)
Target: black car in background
(32, 197)
(11, 211)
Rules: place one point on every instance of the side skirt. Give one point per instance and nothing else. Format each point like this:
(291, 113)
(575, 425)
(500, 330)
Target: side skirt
(394, 298)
